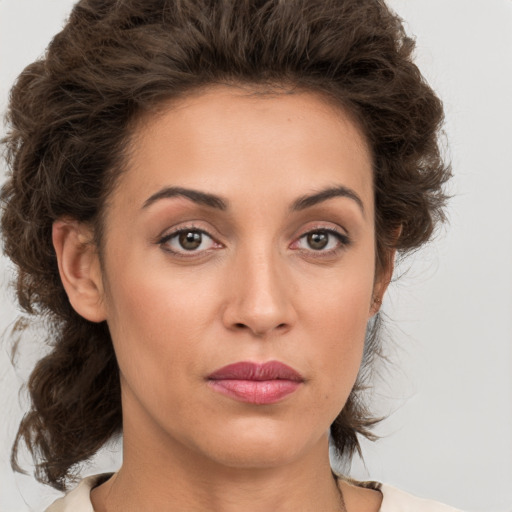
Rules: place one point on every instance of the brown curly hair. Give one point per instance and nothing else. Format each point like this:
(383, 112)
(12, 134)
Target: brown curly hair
(70, 118)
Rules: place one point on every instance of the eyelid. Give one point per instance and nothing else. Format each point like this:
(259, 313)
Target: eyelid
(170, 234)
(187, 225)
(339, 233)
(328, 227)
(342, 236)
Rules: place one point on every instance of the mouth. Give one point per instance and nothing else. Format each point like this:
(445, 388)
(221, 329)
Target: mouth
(255, 383)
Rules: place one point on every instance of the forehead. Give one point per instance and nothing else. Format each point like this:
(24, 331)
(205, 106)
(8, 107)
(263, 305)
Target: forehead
(231, 141)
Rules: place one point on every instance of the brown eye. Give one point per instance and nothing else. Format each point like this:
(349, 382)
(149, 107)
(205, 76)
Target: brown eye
(318, 240)
(190, 240)
(321, 241)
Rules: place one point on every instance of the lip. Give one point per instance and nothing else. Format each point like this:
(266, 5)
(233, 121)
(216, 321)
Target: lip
(256, 383)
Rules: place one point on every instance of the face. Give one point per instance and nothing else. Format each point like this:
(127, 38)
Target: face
(239, 273)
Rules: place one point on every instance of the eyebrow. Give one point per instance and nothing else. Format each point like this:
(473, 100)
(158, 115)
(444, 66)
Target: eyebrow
(196, 196)
(214, 201)
(313, 199)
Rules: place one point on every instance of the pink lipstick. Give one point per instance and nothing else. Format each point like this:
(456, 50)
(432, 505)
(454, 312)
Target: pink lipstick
(255, 383)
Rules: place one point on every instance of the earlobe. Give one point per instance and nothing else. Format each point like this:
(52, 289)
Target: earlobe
(79, 268)
(384, 273)
(382, 282)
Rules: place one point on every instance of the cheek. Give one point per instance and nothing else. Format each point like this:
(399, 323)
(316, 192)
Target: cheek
(339, 315)
(161, 319)
(149, 320)
(343, 332)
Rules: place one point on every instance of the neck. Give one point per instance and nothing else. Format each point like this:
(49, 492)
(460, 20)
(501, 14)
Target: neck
(161, 473)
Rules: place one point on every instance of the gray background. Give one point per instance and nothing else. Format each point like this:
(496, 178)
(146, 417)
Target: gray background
(449, 384)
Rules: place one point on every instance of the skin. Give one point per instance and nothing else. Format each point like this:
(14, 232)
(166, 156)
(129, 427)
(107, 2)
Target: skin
(254, 290)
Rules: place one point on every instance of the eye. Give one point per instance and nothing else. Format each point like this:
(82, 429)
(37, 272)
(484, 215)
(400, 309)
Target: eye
(321, 240)
(188, 240)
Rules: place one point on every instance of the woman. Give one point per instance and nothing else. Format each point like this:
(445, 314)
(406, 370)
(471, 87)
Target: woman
(206, 199)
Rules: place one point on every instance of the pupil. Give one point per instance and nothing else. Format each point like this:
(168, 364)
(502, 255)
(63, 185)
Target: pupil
(317, 240)
(190, 240)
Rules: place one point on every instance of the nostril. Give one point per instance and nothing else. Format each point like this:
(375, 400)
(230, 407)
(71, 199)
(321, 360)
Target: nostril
(240, 325)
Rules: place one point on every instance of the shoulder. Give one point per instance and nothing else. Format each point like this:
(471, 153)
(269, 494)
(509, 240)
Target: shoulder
(362, 496)
(395, 500)
(79, 499)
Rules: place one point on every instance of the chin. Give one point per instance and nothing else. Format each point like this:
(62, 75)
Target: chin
(262, 448)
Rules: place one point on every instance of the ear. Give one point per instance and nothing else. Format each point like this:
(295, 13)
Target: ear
(79, 268)
(382, 280)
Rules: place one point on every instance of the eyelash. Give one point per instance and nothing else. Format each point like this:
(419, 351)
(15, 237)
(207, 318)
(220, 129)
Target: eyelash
(343, 242)
(163, 241)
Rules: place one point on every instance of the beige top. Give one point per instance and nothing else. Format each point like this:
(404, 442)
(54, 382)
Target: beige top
(394, 500)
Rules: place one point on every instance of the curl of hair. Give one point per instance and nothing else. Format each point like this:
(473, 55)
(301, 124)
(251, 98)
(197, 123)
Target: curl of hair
(70, 118)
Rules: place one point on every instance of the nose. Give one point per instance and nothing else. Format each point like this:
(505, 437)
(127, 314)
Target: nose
(259, 295)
